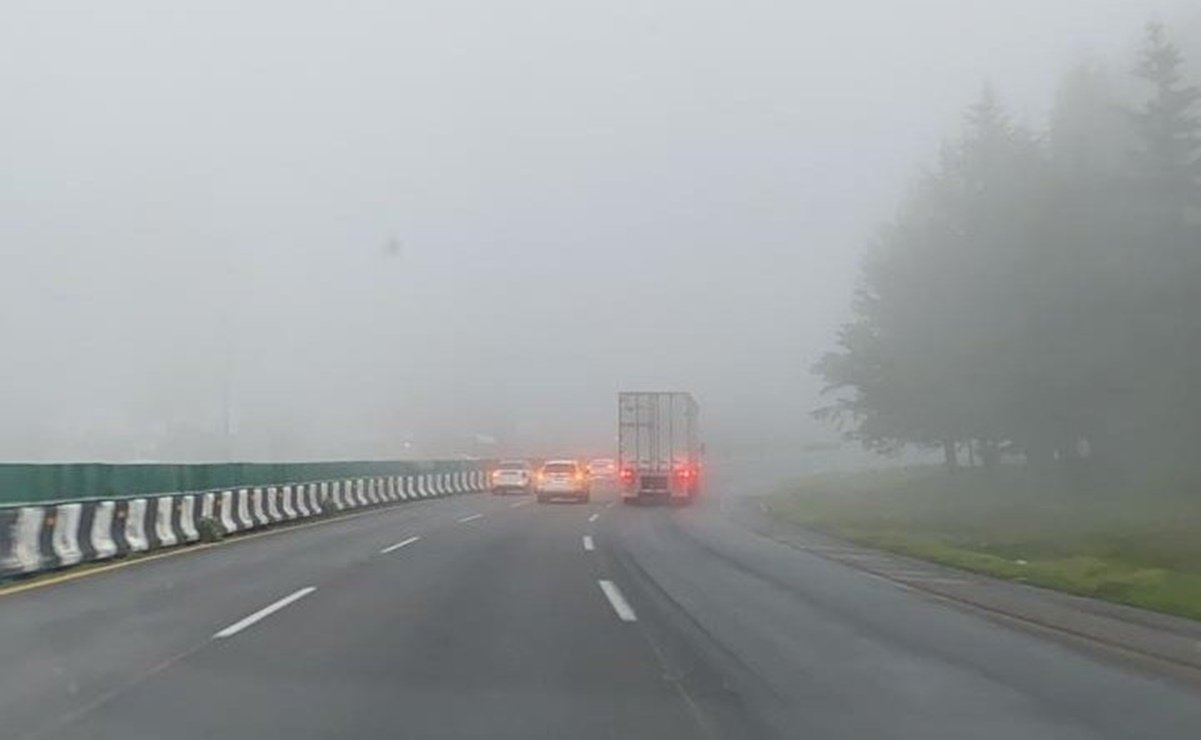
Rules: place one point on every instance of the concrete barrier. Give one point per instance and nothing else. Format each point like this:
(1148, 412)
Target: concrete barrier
(36, 538)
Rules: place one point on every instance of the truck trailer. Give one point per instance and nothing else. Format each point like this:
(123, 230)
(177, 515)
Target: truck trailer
(658, 446)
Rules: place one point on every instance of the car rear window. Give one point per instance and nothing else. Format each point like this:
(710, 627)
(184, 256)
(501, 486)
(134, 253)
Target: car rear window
(560, 468)
(513, 465)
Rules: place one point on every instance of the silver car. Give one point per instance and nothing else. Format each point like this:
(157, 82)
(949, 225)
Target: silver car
(512, 476)
(563, 479)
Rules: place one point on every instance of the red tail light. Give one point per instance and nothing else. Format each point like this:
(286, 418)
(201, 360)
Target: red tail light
(685, 472)
(627, 475)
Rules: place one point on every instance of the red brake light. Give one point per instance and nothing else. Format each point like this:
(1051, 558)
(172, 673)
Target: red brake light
(685, 472)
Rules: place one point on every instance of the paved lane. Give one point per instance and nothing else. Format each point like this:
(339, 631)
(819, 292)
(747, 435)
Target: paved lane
(496, 628)
(473, 617)
(817, 649)
(65, 646)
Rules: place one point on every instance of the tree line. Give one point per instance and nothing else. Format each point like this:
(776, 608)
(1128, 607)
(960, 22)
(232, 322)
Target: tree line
(1038, 293)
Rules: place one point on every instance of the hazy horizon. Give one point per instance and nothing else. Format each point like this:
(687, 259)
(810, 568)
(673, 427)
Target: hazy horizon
(422, 222)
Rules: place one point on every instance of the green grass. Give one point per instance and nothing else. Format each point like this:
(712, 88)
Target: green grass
(1140, 547)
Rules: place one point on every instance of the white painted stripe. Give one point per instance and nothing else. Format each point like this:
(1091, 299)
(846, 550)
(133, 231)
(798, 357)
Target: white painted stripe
(471, 518)
(610, 504)
(207, 503)
(398, 545)
(617, 601)
(263, 613)
(588, 543)
(518, 504)
(593, 518)
(65, 541)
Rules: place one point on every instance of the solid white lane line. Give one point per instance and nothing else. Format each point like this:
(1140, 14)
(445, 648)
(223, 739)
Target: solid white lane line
(588, 542)
(617, 601)
(519, 504)
(471, 518)
(263, 613)
(398, 545)
(593, 517)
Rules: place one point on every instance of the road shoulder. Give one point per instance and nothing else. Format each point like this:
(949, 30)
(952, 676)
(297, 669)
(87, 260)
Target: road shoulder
(1154, 643)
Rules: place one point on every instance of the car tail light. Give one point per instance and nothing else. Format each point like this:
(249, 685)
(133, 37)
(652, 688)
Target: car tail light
(627, 475)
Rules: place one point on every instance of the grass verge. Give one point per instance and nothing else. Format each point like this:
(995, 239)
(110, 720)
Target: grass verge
(1137, 547)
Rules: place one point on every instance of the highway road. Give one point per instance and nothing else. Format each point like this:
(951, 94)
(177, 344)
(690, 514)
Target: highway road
(480, 616)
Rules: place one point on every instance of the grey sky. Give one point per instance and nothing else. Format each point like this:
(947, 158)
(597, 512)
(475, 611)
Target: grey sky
(195, 205)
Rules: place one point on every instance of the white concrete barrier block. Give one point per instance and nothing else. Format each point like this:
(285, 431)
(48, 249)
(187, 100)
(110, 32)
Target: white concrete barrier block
(244, 509)
(65, 540)
(102, 530)
(187, 518)
(26, 555)
(258, 506)
(135, 525)
(227, 512)
(162, 522)
(287, 503)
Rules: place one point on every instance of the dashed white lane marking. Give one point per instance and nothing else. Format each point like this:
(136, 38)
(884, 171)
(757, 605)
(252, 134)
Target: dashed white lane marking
(593, 517)
(588, 543)
(609, 505)
(762, 507)
(617, 601)
(263, 613)
(398, 545)
(471, 518)
(519, 504)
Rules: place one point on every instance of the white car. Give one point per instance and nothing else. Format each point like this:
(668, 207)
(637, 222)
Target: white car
(563, 479)
(512, 476)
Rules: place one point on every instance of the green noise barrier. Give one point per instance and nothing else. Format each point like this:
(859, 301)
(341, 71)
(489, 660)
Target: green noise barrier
(24, 483)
